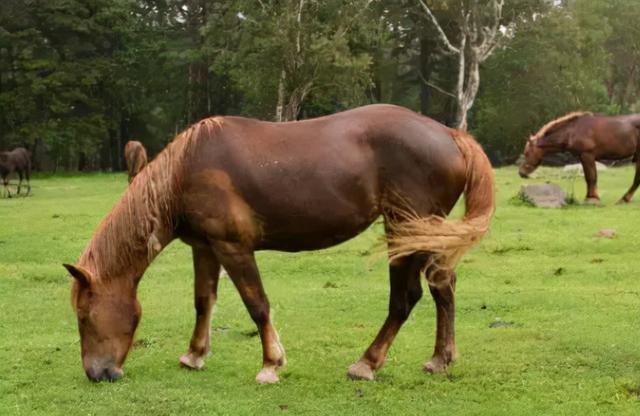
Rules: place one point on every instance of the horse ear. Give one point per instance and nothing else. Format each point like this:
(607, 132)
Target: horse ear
(81, 275)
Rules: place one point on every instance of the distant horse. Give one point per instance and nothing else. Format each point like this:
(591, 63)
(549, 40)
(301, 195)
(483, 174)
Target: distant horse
(18, 160)
(589, 137)
(136, 157)
(229, 186)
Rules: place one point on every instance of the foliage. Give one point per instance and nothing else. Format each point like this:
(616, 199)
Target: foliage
(554, 63)
(78, 78)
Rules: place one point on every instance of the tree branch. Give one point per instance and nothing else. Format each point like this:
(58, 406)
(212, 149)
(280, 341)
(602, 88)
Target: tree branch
(435, 87)
(443, 37)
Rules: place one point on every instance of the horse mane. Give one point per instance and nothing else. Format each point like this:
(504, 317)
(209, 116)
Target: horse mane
(128, 234)
(557, 123)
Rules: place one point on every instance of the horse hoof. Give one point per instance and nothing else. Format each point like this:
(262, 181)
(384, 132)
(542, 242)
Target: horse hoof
(360, 371)
(267, 375)
(592, 201)
(189, 360)
(434, 366)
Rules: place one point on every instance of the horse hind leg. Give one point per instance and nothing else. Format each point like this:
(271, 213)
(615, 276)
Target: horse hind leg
(207, 269)
(405, 292)
(442, 284)
(19, 181)
(27, 174)
(636, 182)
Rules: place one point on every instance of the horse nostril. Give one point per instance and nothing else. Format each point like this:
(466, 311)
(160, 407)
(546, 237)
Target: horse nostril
(112, 374)
(94, 374)
(103, 374)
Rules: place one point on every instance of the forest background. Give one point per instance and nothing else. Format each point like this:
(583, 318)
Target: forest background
(78, 78)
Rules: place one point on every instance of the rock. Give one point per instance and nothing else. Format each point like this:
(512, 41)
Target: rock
(606, 233)
(499, 323)
(544, 195)
(577, 168)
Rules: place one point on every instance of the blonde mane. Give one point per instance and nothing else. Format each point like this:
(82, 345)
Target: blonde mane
(128, 235)
(557, 122)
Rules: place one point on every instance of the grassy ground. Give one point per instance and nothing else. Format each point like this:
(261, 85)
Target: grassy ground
(566, 302)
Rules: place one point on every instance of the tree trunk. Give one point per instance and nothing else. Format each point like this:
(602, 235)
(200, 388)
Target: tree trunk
(280, 104)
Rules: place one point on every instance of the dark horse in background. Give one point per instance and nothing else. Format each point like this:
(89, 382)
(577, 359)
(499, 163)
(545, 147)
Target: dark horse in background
(589, 137)
(136, 157)
(18, 160)
(229, 186)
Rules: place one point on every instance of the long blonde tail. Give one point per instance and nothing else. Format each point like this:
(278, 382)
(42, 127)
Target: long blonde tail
(448, 240)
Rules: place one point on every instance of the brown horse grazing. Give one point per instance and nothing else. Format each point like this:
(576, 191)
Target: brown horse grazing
(229, 186)
(136, 157)
(18, 160)
(588, 137)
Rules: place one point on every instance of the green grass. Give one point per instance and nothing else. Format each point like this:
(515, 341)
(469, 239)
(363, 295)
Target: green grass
(573, 300)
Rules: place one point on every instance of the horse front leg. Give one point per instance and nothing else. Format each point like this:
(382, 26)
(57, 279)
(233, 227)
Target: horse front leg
(207, 270)
(405, 292)
(240, 264)
(442, 287)
(636, 182)
(7, 192)
(591, 177)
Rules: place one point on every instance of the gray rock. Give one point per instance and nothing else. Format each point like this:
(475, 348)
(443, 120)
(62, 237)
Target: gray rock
(544, 195)
(606, 233)
(577, 168)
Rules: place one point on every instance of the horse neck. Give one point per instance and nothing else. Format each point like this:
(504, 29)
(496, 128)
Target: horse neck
(557, 141)
(139, 226)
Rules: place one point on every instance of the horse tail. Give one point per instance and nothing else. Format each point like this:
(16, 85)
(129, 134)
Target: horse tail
(448, 240)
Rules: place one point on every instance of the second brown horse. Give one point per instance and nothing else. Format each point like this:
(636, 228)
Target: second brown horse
(588, 137)
(229, 186)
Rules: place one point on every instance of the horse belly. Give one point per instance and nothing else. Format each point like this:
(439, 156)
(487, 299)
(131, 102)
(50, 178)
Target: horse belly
(287, 207)
(306, 232)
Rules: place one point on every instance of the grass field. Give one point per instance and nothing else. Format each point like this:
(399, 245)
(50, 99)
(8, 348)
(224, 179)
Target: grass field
(547, 318)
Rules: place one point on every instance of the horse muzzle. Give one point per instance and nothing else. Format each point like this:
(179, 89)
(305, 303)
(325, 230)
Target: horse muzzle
(97, 374)
(523, 175)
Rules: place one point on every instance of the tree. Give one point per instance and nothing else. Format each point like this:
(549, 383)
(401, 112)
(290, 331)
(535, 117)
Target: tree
(296, 53)
(477, 33)
(550, 65)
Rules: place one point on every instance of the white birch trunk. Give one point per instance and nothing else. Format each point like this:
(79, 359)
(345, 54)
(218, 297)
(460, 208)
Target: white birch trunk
(477, 42)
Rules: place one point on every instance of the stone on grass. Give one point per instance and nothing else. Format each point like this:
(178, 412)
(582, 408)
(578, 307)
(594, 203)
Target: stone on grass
(606, 233)
(577, 168)
(544, 195)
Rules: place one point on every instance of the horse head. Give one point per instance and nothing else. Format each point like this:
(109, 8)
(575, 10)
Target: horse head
(108, 315)
(532, 158)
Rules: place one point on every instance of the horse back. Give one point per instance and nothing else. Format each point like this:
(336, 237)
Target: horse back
(312, 184)
(18, 159)
(614, 137)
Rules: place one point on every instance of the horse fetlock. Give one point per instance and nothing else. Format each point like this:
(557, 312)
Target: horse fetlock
(625, 199)
(360, 370)
(282, 356)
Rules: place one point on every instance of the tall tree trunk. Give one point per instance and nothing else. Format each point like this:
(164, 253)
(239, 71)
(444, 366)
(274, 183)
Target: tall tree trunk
(477, 41)
(281, 92)
(198, 71)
